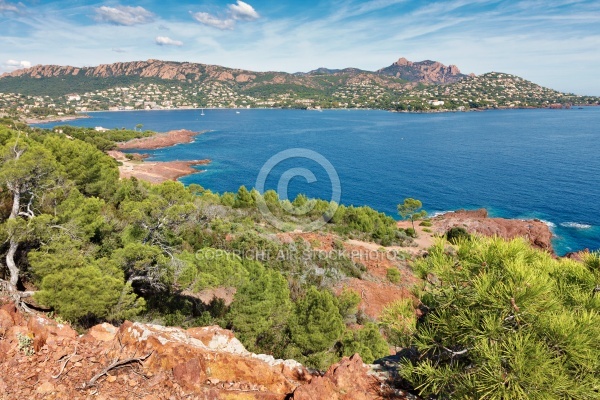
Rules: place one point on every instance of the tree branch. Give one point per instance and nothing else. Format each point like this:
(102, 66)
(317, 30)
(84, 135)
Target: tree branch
(114, 365)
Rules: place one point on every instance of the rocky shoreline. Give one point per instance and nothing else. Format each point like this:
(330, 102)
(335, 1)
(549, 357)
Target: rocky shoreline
(57, 118)
(161, 140)
(154, 171)
(134, 165)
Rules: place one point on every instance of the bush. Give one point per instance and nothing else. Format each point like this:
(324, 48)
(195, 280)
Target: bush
(426, 223)
(455, 234)
(399, 322)
(367, 342)
(411, 232)
(393, 275)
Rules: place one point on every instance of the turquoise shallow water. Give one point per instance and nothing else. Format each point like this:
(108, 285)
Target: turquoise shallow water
(516, 163)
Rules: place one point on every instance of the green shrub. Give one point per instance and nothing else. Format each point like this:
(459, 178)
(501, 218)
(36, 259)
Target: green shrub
(456, 233)
(367, 342)
(393, 275)
(426, 222)
(399, 322)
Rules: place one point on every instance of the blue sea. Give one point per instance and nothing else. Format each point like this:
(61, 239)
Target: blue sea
(516, 163)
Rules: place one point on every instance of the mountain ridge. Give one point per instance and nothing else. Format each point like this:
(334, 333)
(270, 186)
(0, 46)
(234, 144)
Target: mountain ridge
(424, 71)
(424, 86)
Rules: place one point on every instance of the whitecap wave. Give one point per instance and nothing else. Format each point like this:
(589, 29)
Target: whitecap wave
(438, 213)
(575, 225)
(550, 225)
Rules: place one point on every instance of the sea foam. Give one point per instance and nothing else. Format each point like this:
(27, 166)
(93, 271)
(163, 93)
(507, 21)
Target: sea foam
(575, 225)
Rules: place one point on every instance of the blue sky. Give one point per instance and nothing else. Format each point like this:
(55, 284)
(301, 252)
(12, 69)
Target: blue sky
(553, 43)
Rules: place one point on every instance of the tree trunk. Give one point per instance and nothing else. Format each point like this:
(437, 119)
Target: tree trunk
(16, 206)
(10, 263)
(13, 245)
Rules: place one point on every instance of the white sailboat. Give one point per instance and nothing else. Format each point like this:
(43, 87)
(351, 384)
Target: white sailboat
(202, 113)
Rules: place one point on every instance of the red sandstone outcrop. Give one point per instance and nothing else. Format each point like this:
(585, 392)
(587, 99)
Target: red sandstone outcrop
(43, 359)
(424, 71)
(346, 380)
(477, 221)
(160, 140)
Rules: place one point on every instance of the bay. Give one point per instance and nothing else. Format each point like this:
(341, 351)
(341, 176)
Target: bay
(516, 163)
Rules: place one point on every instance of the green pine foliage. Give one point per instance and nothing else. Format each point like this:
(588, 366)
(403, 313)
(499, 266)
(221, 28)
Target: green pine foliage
(76, 293)
(261, 310)
(211, 268)
(367, 342)
(505, 321)
(316, 325)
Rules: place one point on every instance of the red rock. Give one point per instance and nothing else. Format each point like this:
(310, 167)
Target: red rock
(346, 380)
(45, 388)
(42, 328)
(6, 322)
(477, 222)
(103, 333)
(191, 374)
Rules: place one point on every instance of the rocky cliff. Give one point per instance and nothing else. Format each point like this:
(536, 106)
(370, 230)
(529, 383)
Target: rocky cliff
(477, 221)
(424, 71)
(43, 359)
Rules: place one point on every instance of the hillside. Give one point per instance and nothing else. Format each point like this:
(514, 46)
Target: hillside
(51, 90)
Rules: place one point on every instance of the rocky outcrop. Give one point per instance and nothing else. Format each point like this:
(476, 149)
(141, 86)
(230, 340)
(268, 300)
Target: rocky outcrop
(40, 358)
(424, 71)
(477, 221)
(180, 71)
(347, 380)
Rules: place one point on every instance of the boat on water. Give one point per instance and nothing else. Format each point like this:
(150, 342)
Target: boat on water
(202, 113)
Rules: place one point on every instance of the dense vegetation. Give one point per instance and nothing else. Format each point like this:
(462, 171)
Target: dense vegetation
(490, 319)
(97, 248)
(503, 321)
(62, 85)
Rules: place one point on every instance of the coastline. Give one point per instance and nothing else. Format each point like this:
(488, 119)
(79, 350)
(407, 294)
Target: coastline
(481, 109)
(63, 118)
(160, 140)
(154, 171)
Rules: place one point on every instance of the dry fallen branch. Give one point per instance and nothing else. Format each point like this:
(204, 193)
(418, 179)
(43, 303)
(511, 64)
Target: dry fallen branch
(115, 365)
(65, 362)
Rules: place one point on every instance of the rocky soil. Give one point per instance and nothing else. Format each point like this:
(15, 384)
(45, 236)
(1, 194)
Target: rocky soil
(43, 359)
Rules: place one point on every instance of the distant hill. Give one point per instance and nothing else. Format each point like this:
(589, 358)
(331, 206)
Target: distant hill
(427, 85)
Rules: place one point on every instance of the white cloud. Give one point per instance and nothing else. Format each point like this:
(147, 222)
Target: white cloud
(118, 50)
(215, 22)
(124, 15)
(243, 11)
(236, 12)
(5, 6)
(13, 65)
(167, 41)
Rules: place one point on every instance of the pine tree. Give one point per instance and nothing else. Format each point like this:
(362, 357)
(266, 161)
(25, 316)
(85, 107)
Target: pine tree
(505, 321)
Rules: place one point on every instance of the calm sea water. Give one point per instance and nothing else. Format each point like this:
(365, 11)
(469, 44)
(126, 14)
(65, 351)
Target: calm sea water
(516, 163)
